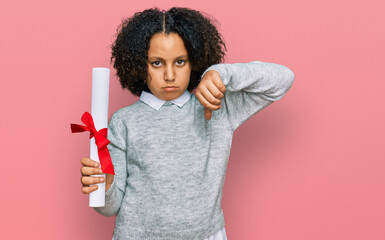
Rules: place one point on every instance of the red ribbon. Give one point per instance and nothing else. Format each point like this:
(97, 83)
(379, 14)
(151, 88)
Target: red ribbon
(100, 140)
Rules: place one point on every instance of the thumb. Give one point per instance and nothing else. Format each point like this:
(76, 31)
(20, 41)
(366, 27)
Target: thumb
(207, 114)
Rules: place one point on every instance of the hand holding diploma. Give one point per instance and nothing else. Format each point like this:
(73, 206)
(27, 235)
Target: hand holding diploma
(91, 167)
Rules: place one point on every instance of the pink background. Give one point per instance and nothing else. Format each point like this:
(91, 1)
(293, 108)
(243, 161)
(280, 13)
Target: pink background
(310, 166)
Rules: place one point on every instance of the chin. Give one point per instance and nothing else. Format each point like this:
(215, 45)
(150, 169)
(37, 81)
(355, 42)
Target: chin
(171, 97)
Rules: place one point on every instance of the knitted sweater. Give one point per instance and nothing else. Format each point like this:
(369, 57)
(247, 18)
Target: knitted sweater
(156, 103)
(170, 164)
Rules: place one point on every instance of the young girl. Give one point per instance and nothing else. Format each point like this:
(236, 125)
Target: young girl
(170, 148)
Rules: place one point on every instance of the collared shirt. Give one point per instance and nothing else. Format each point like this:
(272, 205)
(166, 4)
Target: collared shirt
(157, 103)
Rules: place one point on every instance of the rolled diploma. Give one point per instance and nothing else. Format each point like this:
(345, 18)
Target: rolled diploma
(99, 112)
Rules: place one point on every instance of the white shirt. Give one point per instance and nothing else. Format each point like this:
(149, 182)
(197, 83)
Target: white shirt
(157, 103)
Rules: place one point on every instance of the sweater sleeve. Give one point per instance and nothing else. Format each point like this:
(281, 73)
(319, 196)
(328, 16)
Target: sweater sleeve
(116, 135)
(250, 87)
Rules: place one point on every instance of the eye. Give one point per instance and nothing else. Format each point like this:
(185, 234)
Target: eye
(156, 63)
(181, 62)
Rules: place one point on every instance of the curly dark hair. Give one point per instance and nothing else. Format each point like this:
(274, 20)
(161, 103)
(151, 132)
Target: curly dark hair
(201, 38)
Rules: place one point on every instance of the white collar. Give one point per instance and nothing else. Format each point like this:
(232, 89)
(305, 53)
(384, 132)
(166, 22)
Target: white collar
(157, 103)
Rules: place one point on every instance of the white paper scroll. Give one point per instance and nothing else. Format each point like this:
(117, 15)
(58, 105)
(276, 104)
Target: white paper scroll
(99, 112)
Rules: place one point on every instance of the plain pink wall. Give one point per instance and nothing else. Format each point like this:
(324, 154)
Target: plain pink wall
(310, 166)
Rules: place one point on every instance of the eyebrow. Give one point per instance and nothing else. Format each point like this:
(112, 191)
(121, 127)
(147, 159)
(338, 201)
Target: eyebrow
(156, 57)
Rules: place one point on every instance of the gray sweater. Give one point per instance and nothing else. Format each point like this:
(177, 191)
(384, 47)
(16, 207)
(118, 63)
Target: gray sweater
(170, 164)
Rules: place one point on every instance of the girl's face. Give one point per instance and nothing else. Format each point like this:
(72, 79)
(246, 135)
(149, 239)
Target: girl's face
(168, 66)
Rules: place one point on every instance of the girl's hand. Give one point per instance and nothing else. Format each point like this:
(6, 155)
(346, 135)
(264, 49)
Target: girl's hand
(91, 167)
(210, 91)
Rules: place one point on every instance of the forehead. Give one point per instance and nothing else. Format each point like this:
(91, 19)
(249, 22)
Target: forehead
(166, 46)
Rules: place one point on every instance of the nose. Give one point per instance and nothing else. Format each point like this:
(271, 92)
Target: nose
(169, 73)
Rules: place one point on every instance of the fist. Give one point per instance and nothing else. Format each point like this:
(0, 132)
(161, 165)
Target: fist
(210, 91)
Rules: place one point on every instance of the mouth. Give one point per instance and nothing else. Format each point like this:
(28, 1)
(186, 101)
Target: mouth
(170, 88)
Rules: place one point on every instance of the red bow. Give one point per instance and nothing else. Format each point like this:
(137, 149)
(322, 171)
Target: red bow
(100, 140)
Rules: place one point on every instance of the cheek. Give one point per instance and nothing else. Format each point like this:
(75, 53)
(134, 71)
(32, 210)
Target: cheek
(152, 75)
(149, 77)
(187, 74)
